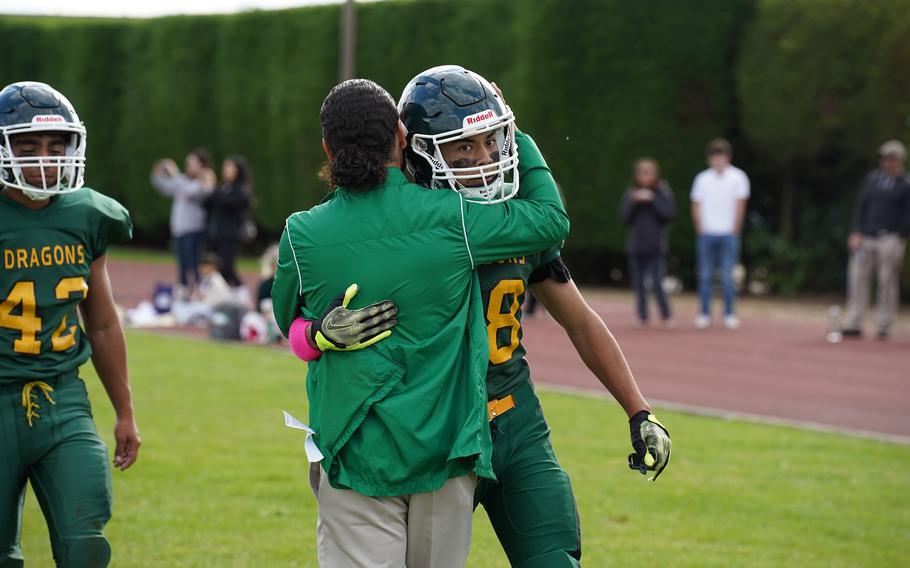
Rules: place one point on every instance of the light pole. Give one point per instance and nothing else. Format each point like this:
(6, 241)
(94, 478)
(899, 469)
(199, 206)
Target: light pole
(348, 41)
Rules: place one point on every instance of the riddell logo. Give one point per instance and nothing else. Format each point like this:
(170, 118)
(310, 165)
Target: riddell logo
(46, 118)
(479, 118)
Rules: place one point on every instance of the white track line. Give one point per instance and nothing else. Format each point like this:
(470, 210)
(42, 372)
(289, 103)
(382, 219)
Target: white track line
(734, 415)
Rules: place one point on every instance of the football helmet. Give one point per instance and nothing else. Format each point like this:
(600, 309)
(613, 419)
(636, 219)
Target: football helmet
(447, 103)
(30, 106)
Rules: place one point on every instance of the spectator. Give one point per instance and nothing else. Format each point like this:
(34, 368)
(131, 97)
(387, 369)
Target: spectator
(227, 210)
(719, 196)
(213, 289)
(647, 207)
(187, 215)
(878, 239)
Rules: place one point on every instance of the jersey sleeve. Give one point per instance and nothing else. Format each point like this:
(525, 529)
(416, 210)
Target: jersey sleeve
(113, 224)
(286, 300)
(548, 256)
(534, 221)
(555, 269)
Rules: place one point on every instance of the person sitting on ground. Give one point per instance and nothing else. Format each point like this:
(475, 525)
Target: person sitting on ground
(213, 289)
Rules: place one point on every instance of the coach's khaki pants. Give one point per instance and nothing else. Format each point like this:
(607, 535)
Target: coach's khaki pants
(882, 256)
(423, 530)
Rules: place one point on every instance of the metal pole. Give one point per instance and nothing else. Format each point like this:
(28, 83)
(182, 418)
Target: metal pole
(348, 41)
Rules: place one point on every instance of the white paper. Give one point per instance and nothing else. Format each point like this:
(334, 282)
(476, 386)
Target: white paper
(312, 452)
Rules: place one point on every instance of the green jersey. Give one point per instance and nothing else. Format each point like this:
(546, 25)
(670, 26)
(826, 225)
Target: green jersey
(45, 257)
(503, 285)
(404, 415)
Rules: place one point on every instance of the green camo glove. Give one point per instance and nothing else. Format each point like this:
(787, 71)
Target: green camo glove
(651, 443)
(341, 329)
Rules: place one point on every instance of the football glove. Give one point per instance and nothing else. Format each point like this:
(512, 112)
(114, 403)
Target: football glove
(341, 329)
(651, 443)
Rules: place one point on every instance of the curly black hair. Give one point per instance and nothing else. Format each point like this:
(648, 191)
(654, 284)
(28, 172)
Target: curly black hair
(359, 124)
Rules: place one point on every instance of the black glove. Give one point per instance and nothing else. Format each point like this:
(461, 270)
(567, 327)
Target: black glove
(651, 443)
(341, 329)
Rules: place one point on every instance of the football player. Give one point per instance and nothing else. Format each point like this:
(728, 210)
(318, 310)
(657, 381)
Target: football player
(467, 148)
(401, 426)
(53, 237)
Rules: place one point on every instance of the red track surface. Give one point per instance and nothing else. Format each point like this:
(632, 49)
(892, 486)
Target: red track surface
(778, 365)
(774, 367)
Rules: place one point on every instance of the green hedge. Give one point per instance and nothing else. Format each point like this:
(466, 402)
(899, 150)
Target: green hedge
(610, 81)
(598, 83)
(821, 84)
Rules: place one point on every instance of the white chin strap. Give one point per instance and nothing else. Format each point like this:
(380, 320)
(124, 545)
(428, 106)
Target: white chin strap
(34, 196)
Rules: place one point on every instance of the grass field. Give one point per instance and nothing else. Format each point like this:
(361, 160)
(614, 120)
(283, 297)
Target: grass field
(157, 256)
(221, 481)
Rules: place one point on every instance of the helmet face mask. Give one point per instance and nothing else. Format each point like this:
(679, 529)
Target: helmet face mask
(36, 108)
(491, 181)
(448, 104)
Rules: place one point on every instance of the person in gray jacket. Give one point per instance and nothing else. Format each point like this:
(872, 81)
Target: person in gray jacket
(647, 207)
(878, 239)
(188, 218)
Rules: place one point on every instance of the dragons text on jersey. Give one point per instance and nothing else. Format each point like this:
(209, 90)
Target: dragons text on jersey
(504, 285)
(45, 258)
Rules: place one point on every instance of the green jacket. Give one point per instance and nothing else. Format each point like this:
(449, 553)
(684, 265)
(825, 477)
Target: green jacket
(407, 414)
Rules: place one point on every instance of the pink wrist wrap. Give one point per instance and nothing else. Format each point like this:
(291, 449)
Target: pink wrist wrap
(298, 342)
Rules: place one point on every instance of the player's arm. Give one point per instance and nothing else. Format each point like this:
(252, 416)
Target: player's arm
(339, 328)
(534, 221)
(602, 355)
(105, 334)
(342, 329)
(593, 341)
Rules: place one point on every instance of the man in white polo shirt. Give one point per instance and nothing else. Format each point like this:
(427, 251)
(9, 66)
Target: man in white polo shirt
(719, 196)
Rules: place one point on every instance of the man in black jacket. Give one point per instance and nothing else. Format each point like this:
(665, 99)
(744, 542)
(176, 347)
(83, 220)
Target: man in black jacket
(878, 239)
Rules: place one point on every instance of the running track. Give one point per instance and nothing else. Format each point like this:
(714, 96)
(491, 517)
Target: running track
(777, 366)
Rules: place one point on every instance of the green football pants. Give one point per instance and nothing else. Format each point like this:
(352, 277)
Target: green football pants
(531, 505)
(66, 462)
